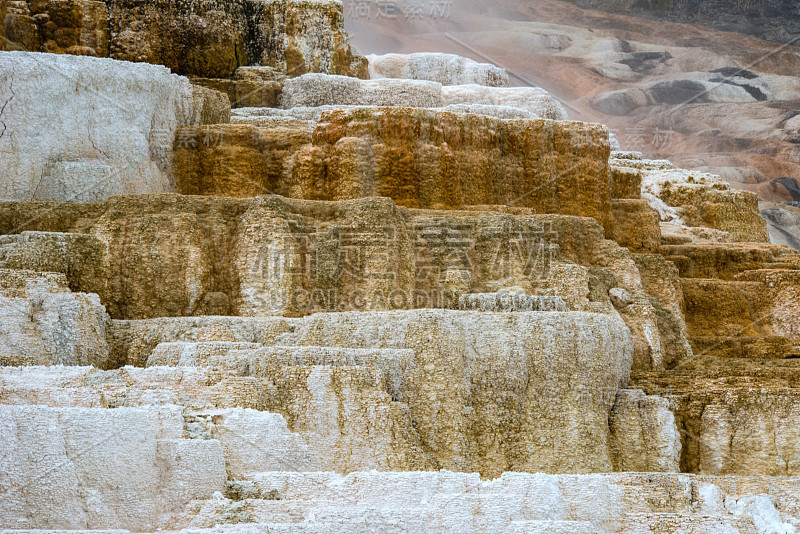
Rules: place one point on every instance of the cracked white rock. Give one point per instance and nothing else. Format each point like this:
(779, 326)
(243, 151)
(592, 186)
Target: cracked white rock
(83, 128)
(78, 468)
(316, 90)
(43, 323)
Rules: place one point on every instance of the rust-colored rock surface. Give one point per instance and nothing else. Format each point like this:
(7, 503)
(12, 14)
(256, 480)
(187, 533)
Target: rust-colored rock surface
(418, 157)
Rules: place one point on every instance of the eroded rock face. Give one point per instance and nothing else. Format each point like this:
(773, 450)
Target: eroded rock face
(3, 8)
(19, 28)
(205, 38)
(275, 256)
(401, 164)
(359, 152)
(46, 324)
(77, 27)
(729, 445)
(644, 433)
(213, 38)
(202, 37)
(76, 150)
(695, 199)
(304, 499)
(453, 433)
(249, 86)
(297, 37)
(783, 223)
(418, 410)
(74, 27)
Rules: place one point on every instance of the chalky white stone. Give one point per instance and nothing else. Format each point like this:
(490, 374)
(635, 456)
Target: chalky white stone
(447, 69)
(83, 128)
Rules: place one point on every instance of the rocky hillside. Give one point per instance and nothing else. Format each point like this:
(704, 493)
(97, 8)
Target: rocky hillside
(774, 20)
(411, 299)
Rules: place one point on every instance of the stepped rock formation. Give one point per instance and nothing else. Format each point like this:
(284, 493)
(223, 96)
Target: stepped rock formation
(394, 305)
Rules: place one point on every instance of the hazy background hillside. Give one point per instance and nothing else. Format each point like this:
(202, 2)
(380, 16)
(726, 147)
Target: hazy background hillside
(693, 93)
(776, 20)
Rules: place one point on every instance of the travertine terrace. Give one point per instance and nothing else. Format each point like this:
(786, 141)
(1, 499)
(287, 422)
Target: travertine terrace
(279, 296)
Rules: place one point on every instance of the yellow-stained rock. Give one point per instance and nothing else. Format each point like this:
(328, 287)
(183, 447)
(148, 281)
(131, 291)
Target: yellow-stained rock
(235, 160)
(171, 255)
(735, 415)
(19, 27)
(211, 38)
(77, 27)
(727, 261)
(245, 93)
(420, 158)
(627, 182)
(636, 225)
(3, 8)
(701, 200)
(74, 27)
